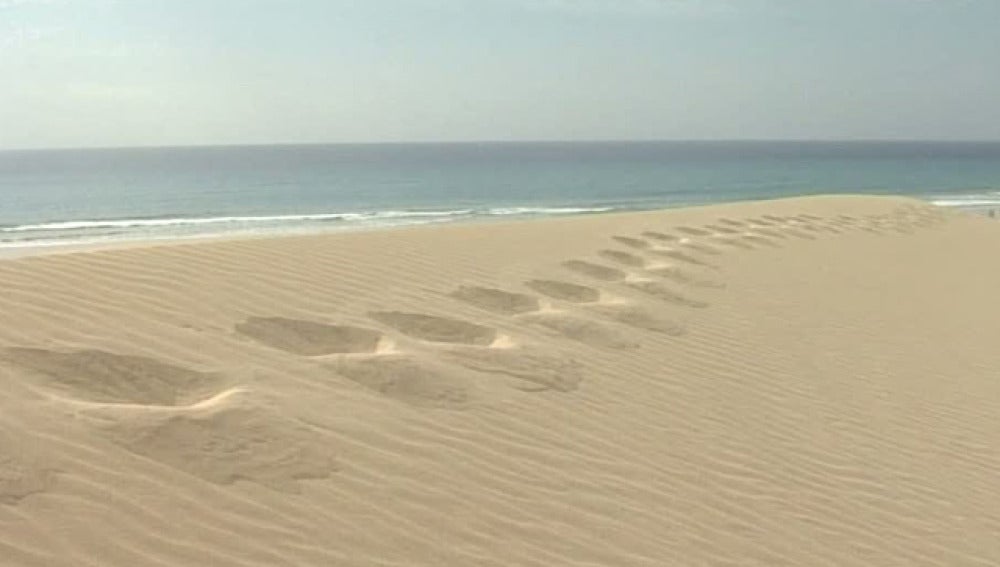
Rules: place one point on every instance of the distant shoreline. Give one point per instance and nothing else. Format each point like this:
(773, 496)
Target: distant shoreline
(54, 198)
(29, 250)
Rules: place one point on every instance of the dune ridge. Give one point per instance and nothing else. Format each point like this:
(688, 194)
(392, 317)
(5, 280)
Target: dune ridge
(805, 381)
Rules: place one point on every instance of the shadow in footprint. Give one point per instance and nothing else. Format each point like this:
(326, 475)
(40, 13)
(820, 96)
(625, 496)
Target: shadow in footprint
(542, 371)
(703, 248)
(677, 275)
(496, 300)
(754, 239)
(799, 234)
(623, 258)
(639, 319)
(407, 380)
(436, 329)
(721, 229)
(660, 236)
(681, 257)
(771, 233)
(565, 291)
(736, 242)
(637, 243)
(692, 231)
(666, 294)
(309, 338)
(596, 271)
(104, 377)
(581, 330)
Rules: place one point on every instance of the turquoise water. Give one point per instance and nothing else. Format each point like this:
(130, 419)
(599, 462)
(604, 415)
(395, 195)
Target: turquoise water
(74, 196)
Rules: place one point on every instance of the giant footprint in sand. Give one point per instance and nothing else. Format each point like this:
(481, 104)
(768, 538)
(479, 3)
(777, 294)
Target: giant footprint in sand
(178, 417)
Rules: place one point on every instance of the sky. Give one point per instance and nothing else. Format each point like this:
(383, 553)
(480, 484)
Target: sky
(97, 73)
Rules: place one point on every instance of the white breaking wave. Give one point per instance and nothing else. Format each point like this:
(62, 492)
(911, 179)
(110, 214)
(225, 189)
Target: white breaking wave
(83, 225)
(57, 233)
(546, 210)
(983, 201)
(166, 222)
(241, 220)
(417, 214)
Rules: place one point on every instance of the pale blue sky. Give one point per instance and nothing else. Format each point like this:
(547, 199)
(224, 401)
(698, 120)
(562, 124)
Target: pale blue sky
(168, 72)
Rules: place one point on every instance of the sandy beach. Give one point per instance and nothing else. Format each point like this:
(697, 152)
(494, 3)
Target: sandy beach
(808, 381)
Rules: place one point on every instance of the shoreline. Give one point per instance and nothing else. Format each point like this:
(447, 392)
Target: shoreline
(48, 249)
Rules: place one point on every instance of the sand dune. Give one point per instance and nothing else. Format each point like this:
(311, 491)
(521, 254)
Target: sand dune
(798, 382)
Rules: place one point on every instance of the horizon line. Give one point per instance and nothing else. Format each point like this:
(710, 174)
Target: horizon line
(512, 142)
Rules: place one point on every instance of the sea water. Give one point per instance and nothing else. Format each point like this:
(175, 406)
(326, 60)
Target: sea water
(52, 197)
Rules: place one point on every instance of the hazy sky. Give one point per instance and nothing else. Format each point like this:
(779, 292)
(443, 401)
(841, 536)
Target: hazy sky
(164, 72)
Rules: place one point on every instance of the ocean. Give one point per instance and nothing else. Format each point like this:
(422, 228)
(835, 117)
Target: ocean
(56, 197)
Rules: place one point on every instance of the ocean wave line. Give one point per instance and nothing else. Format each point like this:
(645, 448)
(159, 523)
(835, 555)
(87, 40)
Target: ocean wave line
(82, 225)
(966, 202)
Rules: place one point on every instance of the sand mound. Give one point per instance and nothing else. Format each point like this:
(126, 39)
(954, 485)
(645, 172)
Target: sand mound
(542, 370)
(229, 444)
(581, 329)
(639, 318)
(683, 277)
(664, 293)
(408, 380)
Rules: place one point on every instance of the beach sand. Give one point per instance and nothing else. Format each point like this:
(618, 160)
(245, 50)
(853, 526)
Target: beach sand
(810, 381)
